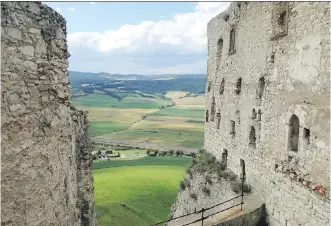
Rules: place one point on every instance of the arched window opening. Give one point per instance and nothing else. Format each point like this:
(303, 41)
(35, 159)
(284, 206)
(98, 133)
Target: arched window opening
(259, 115)
(261, 87)
(233, 128)
(224, 159)
(207, 116)
(222, 86)
(219, 53)
(238, 86)
(253, 114)
(294, 133)
(306, 135)
(212, 110)
(218, 120)
(209, 87)
(252, 137)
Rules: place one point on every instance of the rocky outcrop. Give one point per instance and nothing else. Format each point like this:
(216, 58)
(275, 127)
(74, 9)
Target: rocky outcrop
(46, 176)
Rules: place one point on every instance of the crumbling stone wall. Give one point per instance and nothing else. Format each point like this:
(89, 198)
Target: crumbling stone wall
(284, 70)
(45, 157)
(220, 191)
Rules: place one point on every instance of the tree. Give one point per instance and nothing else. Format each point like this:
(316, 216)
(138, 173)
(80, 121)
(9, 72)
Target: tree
(109, 152)
(148, 152)
(99, 152)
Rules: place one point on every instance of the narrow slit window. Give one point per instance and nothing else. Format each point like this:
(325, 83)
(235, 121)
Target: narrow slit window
(207, 116)
(306, 135)
(232, 41)
(261, 87)
(253, 114)
(212, 110)
(294, 133)
(222, 86)
(238, 86)
(259, 115)
(224, 158)
(218, 120)
(233, 128)
(252, 137)
(219, 54)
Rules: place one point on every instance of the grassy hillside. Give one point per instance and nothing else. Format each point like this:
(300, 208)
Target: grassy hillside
(136, 192)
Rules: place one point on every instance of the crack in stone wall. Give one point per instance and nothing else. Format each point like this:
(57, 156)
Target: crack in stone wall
(46, 165)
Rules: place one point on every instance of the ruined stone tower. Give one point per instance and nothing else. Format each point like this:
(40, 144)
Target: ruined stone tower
(269, 89)
(46, 176)
(268, 104)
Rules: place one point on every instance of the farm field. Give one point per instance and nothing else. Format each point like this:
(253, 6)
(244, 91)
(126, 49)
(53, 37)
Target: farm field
(142, 119)
(136, 192)
(102, 100)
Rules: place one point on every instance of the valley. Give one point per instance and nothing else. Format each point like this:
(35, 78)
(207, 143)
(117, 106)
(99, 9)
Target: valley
(164, 113)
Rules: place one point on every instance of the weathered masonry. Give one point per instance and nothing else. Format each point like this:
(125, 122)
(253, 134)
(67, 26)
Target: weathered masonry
(46, 176)
(268, 90)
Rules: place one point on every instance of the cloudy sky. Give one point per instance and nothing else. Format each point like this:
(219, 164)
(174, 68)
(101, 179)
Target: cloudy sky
(138, 37)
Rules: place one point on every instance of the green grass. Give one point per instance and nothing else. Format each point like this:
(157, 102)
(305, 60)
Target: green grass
(99, 128)
(198, 113)
(102, 100)
(137, 194)
(195, 121)
(148, 160)
(185, 138)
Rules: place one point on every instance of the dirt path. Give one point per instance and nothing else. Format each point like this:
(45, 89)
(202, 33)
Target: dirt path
(145, 145)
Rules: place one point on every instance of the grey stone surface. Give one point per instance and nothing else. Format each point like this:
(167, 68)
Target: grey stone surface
(294, 62)
(46, 175)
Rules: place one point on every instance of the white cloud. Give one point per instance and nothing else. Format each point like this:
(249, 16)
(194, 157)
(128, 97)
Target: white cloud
(58, 9)
(184, 35)
(92, 3)
(72, 9)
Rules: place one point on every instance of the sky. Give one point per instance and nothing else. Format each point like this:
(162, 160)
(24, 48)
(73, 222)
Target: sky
(138, 37)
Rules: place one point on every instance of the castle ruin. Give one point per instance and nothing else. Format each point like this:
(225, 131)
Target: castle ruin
(268, 104)
(46, 175)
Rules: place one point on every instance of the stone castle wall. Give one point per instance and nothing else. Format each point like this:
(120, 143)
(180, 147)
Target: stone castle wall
(267, 103)
(46, 176)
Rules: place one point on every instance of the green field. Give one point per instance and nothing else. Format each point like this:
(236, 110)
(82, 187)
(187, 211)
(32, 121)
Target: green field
(185, 138)
(198, 113)
(99, 128)
(139, 119)
(102, 100)
(136, 192)
(195, 121)
(149, 160)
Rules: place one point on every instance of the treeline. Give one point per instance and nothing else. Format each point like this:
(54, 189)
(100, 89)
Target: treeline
(151, 86)
(101, 81)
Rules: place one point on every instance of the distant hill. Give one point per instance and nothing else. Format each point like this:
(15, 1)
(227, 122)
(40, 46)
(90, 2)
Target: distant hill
(87, 82)
(102, 76)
